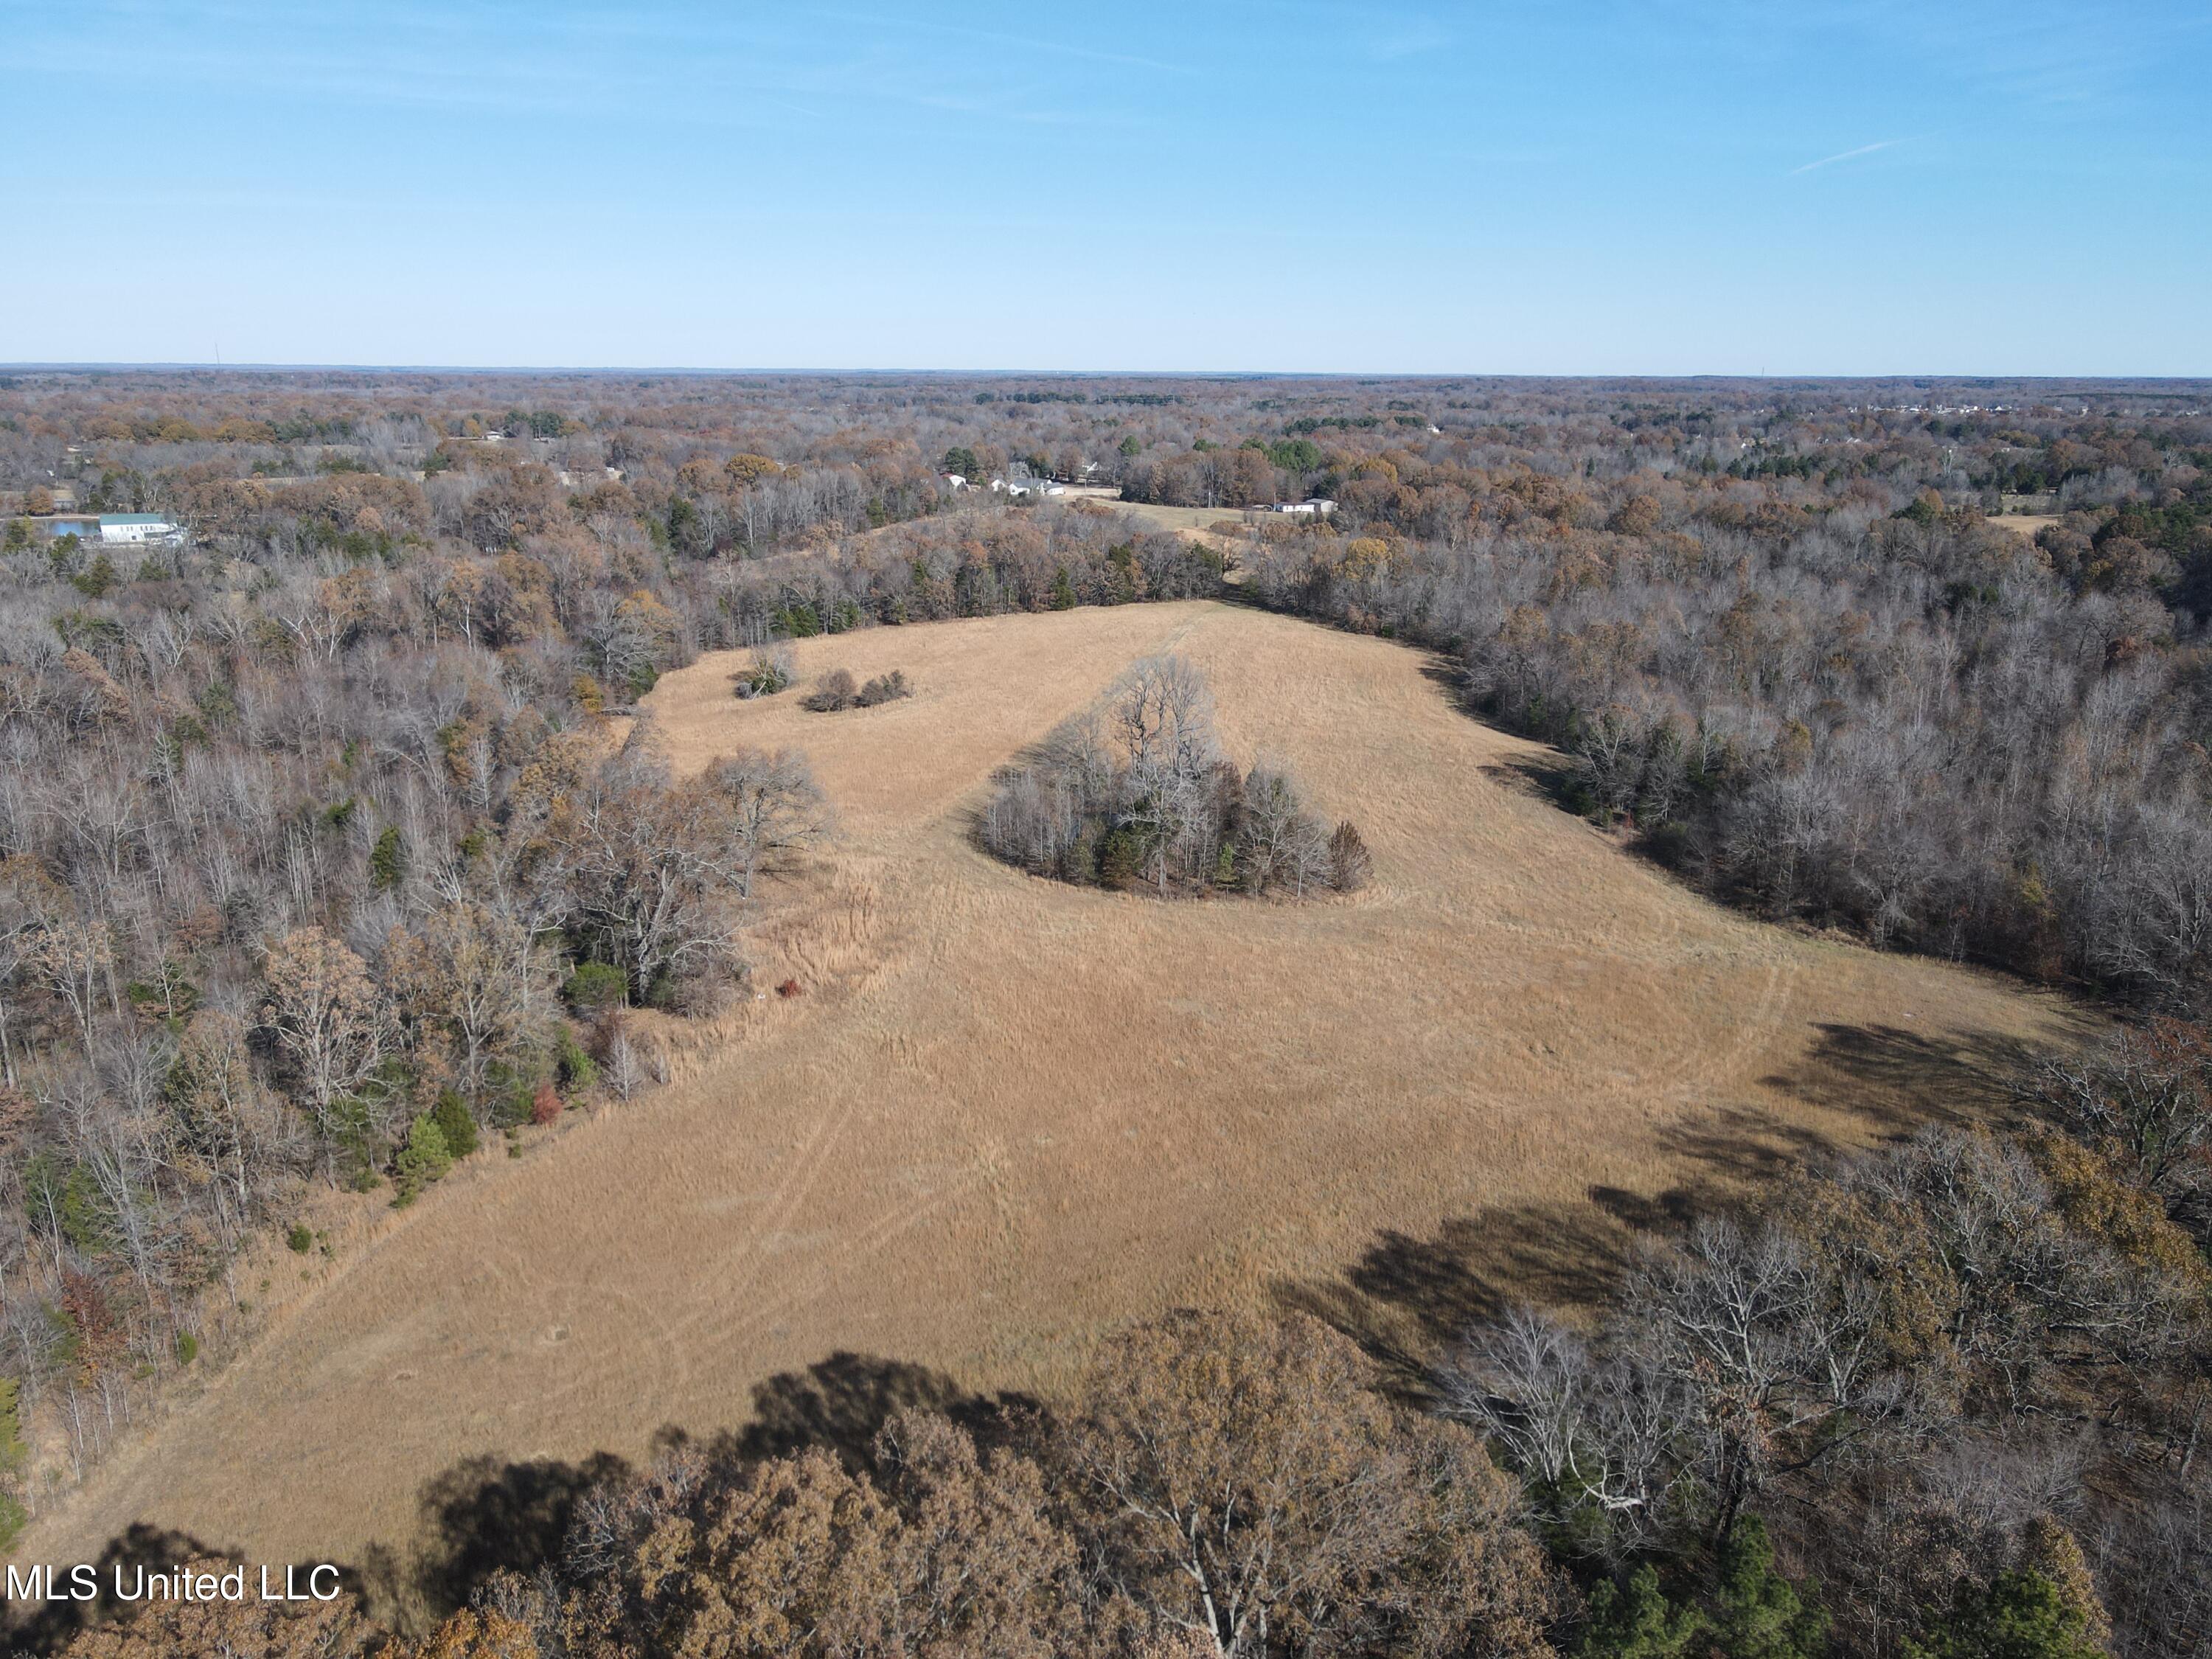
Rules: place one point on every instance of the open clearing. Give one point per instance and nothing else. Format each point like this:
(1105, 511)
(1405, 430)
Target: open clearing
(1008, 1115)
(1183, 518)
(2026, 523)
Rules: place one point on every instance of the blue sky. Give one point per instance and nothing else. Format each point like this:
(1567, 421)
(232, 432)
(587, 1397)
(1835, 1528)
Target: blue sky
(1794, 187)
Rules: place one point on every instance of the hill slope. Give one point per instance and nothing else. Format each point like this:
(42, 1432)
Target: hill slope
(1008, 1115)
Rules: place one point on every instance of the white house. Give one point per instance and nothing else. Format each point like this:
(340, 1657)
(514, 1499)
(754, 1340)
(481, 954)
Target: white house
(1312, 507)
(133, 529)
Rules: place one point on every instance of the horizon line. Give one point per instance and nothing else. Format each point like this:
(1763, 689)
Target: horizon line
(121, 367)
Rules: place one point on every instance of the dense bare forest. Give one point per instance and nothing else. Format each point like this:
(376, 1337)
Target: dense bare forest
(327, 853)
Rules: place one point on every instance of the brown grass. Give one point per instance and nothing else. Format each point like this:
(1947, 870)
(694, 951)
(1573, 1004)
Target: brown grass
(1006, 1115)
(2026, 523)
(1182, 517)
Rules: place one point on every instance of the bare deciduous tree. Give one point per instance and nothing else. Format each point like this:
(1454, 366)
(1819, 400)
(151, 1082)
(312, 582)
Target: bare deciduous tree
(326, 1015)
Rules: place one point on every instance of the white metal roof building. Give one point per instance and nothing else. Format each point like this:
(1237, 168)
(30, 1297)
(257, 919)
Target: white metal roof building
(136, 527)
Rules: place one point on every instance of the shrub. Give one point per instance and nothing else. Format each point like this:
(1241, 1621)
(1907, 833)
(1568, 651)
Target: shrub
(577, 1069)
(884, 688)
(510, 1106)
(300, 1238)
(188, 1347)
(833, 691)
(545, 1104)
(768, 672)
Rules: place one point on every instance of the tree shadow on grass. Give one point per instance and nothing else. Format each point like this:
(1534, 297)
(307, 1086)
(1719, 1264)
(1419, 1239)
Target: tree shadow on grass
(482, 1517)
(1900, 1080)
(1546, 773)
(156, 1549)
(1407, 1298)
(840, 1403)
(1449, 675)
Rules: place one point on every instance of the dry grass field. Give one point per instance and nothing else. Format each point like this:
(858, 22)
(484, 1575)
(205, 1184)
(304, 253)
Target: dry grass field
(1006, 1115)
(2026, 523)
(1187, 519)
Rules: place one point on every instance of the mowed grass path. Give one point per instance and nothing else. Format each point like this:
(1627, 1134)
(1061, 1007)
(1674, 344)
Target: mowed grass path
(1007, 1115)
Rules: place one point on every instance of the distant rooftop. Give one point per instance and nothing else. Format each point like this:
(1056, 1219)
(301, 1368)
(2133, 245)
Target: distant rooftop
(131, 518)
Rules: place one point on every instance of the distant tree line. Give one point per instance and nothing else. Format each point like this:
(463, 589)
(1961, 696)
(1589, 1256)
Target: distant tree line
(963, 565)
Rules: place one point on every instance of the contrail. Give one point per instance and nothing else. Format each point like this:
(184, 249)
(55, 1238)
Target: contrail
(1845, 155)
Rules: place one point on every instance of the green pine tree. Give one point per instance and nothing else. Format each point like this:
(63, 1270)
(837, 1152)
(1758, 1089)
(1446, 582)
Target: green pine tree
(1063, 590)
(423, 1160)
(99, 580)
(450, 1115)
(1639, 1622)
(2022, 1615)
(1119, 856)
(387, 860)
(15, 1453)
(1760, 1615)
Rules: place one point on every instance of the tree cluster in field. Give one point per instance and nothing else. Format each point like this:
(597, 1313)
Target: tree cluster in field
(1143, 797)
(836, 691)
(1941, 1400)
(770, 669)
